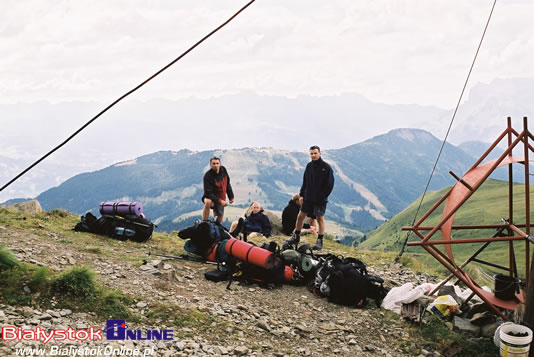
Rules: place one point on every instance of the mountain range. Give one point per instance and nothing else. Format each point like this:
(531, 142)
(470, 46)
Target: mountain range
(374, 179)
(245, 119)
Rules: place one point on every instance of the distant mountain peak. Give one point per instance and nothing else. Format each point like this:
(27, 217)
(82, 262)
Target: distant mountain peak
(418, 136)
(126, 163)
(412, 134)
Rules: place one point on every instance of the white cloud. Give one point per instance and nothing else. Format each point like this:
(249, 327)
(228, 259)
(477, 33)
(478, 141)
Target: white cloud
(391, 51)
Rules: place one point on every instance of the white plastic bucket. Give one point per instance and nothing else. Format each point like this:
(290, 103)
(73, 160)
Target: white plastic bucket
(513, 346)
(496, 338)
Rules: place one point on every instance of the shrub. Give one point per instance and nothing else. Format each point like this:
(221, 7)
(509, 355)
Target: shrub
(94, 250)
(58, 213)
(75, 289)
(7, 260)
(437, 336)
(40, 280)
(75, 282)
(112, 305)
(12, 283)
(181, 317)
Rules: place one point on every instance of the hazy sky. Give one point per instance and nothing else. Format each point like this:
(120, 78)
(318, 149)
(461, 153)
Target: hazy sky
(413, 51)
(63, 61)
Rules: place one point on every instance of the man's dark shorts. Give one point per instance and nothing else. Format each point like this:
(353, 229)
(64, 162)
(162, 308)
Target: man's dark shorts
(313, 208)
(217, 208)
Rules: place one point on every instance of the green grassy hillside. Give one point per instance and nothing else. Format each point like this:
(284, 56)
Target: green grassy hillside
(487, 206)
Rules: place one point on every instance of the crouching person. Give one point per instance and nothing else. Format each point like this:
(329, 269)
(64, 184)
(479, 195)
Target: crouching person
(254, 223)
(289, 218)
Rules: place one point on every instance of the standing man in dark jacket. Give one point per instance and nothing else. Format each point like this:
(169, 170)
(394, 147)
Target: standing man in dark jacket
(317, 185)
(216, 187)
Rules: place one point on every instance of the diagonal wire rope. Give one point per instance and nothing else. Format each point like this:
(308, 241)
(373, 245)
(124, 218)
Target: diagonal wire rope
(125, 95)
(448, 131)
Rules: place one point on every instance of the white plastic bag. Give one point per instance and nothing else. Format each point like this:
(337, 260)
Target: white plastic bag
(404, 294)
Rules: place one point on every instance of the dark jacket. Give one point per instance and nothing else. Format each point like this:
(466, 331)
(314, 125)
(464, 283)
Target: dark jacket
(258, 222)
(217, 186)
(318, 182)
(289, 217)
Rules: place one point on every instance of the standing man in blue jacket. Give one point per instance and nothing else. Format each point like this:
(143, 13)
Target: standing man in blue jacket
(317, 185)
(216, 188)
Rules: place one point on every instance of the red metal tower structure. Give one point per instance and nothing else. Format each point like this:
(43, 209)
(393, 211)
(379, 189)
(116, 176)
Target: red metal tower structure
(509, 231)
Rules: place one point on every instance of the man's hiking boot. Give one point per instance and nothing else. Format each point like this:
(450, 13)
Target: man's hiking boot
(318, 245)
(239, 228)
(294, 241)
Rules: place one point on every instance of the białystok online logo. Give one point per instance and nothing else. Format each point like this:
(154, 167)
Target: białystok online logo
(115, 330)
(118, 330)
(13, 333)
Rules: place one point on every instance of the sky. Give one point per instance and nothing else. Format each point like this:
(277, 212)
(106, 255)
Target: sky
(391, 51)
(61, 62)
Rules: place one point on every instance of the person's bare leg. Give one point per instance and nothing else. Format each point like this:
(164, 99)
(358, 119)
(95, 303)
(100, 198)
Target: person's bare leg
(206, 210)
(313, 223)
(300, 221)
(233, 226)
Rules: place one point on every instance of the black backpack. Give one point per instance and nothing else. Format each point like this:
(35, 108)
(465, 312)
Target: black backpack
(224, 272)
(204, 234)
(135, 228)
(85, 223)
(345, 281)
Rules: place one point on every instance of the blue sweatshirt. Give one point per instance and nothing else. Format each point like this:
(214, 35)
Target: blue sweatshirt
(258, 222)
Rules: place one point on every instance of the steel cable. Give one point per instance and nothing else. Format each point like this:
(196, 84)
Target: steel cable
(448, 131)
(124, 96)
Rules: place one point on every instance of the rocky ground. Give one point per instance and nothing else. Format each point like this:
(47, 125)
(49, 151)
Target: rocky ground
(246, 320)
